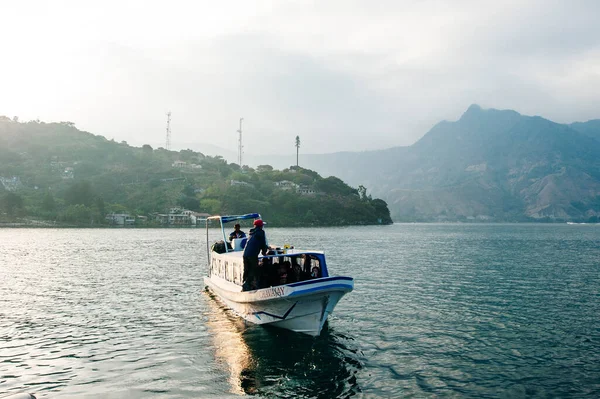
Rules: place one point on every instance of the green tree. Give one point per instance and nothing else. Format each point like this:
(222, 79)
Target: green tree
(48, 203)
(362, 192)
(147, 149)
(12, 203)
(264, 168)
(101, 207)
(382, 213)
(310, 217)
(79, 213)
(188, 190)
(211, 205)
(80, 193)
(190, 203)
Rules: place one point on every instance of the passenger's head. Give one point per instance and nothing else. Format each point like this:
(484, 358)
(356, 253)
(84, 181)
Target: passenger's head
(297, 270)
(258, 223)
(315, 272)
(283, 272)
(305, 260)
(237, 226)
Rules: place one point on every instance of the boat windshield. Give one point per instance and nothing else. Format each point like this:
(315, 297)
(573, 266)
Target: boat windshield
(281, 269)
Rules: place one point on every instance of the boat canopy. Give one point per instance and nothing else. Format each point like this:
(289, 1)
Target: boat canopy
(223, 220)
(231, 218)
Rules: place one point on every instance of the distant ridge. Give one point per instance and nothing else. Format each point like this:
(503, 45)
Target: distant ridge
(589, 128)
(490, 165)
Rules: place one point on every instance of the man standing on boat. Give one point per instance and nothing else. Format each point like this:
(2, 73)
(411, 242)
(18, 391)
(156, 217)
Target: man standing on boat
(256, 243)
(236, 233)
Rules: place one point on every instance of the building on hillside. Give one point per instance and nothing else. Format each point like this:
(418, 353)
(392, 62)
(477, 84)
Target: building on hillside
(240, 183)
(172, 179)
(197, 217)
(120, 219)
(181, 217)
(173, 219)
(286, 185)
(305, 190)
(185, 165)
(11, 183)
(201, 216)
(69, 173)
(162, 218)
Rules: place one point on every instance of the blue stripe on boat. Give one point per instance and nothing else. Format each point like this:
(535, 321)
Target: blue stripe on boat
(295, 293)
(324, 279)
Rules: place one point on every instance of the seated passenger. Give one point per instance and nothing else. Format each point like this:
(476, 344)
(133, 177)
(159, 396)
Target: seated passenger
(284, 272)
(315, 272)
(297, 273)
(236, 233)
(306, 267)
(296, 269)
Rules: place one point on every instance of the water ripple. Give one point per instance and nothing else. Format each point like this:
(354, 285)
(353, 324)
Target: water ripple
(438, 311)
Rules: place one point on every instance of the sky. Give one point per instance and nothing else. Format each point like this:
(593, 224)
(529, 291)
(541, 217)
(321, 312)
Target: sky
(344, 75)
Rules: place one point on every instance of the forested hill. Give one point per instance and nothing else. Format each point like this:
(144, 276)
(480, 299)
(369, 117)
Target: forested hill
(53, 171)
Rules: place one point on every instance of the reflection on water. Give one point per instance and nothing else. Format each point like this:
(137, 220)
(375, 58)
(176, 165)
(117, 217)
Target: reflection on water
(278, 363)
(231, 351)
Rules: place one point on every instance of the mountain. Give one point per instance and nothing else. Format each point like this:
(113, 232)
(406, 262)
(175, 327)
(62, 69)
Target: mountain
(590, 128)
(490, 165)
(495, 165)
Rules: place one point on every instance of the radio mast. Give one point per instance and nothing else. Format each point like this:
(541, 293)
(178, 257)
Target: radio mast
(168, 131)
(240, 147)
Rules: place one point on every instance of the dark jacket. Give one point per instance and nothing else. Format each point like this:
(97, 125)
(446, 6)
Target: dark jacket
(256, 243)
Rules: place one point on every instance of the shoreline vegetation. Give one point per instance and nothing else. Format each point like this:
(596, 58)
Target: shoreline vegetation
(49, 225)
(54, 175)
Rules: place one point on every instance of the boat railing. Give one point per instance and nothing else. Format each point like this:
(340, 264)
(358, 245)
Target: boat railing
(301, 266)
(229, 269)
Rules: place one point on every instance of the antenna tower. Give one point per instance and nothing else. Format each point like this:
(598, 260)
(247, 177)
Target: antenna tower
(240, 147)
(168, 131)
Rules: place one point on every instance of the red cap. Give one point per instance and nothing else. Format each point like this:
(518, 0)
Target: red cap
(258, 222)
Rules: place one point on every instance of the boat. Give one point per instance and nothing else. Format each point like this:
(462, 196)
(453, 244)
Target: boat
(22, 395)
(297, 296)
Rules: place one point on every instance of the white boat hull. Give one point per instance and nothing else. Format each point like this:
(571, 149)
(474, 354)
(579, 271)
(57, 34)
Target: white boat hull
(301, 307)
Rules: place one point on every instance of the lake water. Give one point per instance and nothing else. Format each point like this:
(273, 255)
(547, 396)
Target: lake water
(438, 311)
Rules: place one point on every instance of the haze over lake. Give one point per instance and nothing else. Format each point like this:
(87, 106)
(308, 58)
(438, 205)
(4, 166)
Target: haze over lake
(465, 310)
(433, 127)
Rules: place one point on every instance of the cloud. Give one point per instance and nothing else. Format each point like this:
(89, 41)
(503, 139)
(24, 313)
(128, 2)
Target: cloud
(344, 75)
